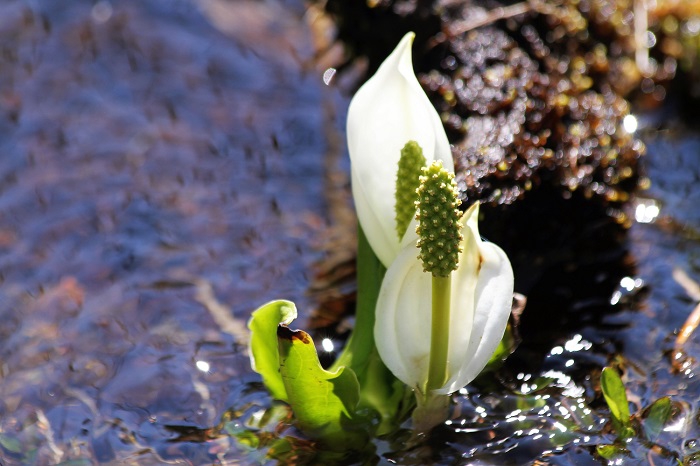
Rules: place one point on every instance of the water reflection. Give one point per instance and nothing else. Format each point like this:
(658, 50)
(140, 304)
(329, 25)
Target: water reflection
(203, 366)
(629, 122)
(646, 210)
(153, 166)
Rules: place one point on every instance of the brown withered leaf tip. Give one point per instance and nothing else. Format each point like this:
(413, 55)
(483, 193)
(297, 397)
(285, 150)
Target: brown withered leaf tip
(291, 335)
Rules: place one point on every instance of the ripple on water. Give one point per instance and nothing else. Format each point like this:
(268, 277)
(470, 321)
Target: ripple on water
(146, 155)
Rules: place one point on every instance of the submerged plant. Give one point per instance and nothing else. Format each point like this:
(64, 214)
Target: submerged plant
(646, 425)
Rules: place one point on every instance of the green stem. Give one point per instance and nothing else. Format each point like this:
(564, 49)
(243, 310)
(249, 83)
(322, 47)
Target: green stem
(433, 409)
(439, 332)
(370, 273)
(379, 389)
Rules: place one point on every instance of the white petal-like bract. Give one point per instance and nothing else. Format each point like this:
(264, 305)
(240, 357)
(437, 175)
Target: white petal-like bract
(481, 297)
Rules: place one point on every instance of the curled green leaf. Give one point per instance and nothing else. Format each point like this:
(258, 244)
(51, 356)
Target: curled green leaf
(324, 402)
(264, 355)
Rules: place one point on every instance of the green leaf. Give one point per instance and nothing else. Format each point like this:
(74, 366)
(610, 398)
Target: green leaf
(323, 402)
(611, 452)
(657, 416)
(10, 444)
(264, 354)
(616, 398)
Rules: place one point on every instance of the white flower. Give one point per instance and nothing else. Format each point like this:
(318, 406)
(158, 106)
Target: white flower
(389, 110)
(481, 297)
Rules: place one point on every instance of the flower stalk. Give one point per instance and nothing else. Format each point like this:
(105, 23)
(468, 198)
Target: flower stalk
(439, 332)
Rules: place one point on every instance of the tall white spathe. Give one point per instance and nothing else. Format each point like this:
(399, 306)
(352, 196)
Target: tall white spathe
(389, 110)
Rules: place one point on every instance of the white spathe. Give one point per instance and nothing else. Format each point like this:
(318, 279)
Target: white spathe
(481, 298)
(389, 110)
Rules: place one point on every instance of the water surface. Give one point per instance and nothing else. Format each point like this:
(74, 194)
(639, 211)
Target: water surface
(161, 178)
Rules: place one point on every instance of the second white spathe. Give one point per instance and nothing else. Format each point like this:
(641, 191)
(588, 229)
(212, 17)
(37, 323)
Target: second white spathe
(481, 298)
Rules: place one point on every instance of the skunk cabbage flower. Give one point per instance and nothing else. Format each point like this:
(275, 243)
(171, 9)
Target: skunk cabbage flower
(480, 303)
(386, 112)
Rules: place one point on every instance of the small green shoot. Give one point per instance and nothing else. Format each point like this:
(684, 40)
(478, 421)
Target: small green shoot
(616, 398)
(612, 452)
(10, 444)
(631, 444)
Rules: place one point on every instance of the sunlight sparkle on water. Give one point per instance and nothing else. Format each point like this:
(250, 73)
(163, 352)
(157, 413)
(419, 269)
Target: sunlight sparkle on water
(203, 366)
(564, 381)
(631, 284)
(677, 426)
(646, 211)
(577, 343)
(327, 345)
(560, 426)
(630, 123)
(627, 286)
